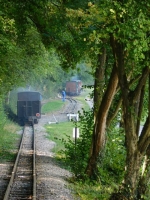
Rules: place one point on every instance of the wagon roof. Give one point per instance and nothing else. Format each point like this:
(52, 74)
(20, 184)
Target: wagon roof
(29, 96)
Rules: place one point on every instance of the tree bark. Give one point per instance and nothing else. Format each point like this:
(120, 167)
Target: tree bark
(99, 80)
(143, 190)
(98, 138)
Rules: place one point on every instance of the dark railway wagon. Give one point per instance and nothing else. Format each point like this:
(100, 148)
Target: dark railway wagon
(28, 107)
(73, 87)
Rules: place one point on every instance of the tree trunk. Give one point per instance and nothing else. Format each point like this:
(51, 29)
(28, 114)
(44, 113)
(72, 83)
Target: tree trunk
(98, 138)
(145, 176)
(143, 190)
(99, 80)
(135, 145)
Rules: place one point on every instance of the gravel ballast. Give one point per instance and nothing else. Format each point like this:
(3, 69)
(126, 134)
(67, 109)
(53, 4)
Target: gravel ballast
(52, 181)
(51, 178)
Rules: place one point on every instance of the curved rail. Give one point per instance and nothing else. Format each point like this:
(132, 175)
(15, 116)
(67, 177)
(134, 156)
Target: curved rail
(18, 174)
(71, 107)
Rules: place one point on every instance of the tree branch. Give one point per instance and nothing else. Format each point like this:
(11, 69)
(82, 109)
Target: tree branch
(142, 82)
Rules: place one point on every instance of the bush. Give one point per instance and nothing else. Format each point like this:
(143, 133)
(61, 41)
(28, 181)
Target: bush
(77, 152)
(111, 164)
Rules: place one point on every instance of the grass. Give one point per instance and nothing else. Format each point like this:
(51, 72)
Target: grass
(84, 103)
(57, 132)
(85, 93)
(53, 105)
(92, 191)
(8, 139)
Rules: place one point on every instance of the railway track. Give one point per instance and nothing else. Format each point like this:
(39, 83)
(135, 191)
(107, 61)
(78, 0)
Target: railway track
(71, 108)
(22, 183)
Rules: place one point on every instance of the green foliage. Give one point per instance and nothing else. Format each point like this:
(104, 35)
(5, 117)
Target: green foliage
(85, 73)
(110, 169)
(77, 151)
(111, 166)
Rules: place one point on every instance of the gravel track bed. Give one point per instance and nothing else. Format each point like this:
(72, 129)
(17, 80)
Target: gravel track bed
(5, 169)
(51, 178)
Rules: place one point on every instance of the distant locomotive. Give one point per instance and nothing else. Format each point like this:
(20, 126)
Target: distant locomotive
(73, 87)
(28, 107)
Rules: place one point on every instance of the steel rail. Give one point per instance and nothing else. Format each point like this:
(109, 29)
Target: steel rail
(14, 169)
(9, 187)
(34, 170)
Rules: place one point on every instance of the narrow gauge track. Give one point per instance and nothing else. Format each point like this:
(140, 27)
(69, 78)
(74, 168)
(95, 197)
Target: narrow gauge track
(22, 184)
(71, 108)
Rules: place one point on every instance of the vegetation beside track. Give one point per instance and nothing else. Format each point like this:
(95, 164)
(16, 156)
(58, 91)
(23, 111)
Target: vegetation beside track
(57, 133)
(8, 138)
